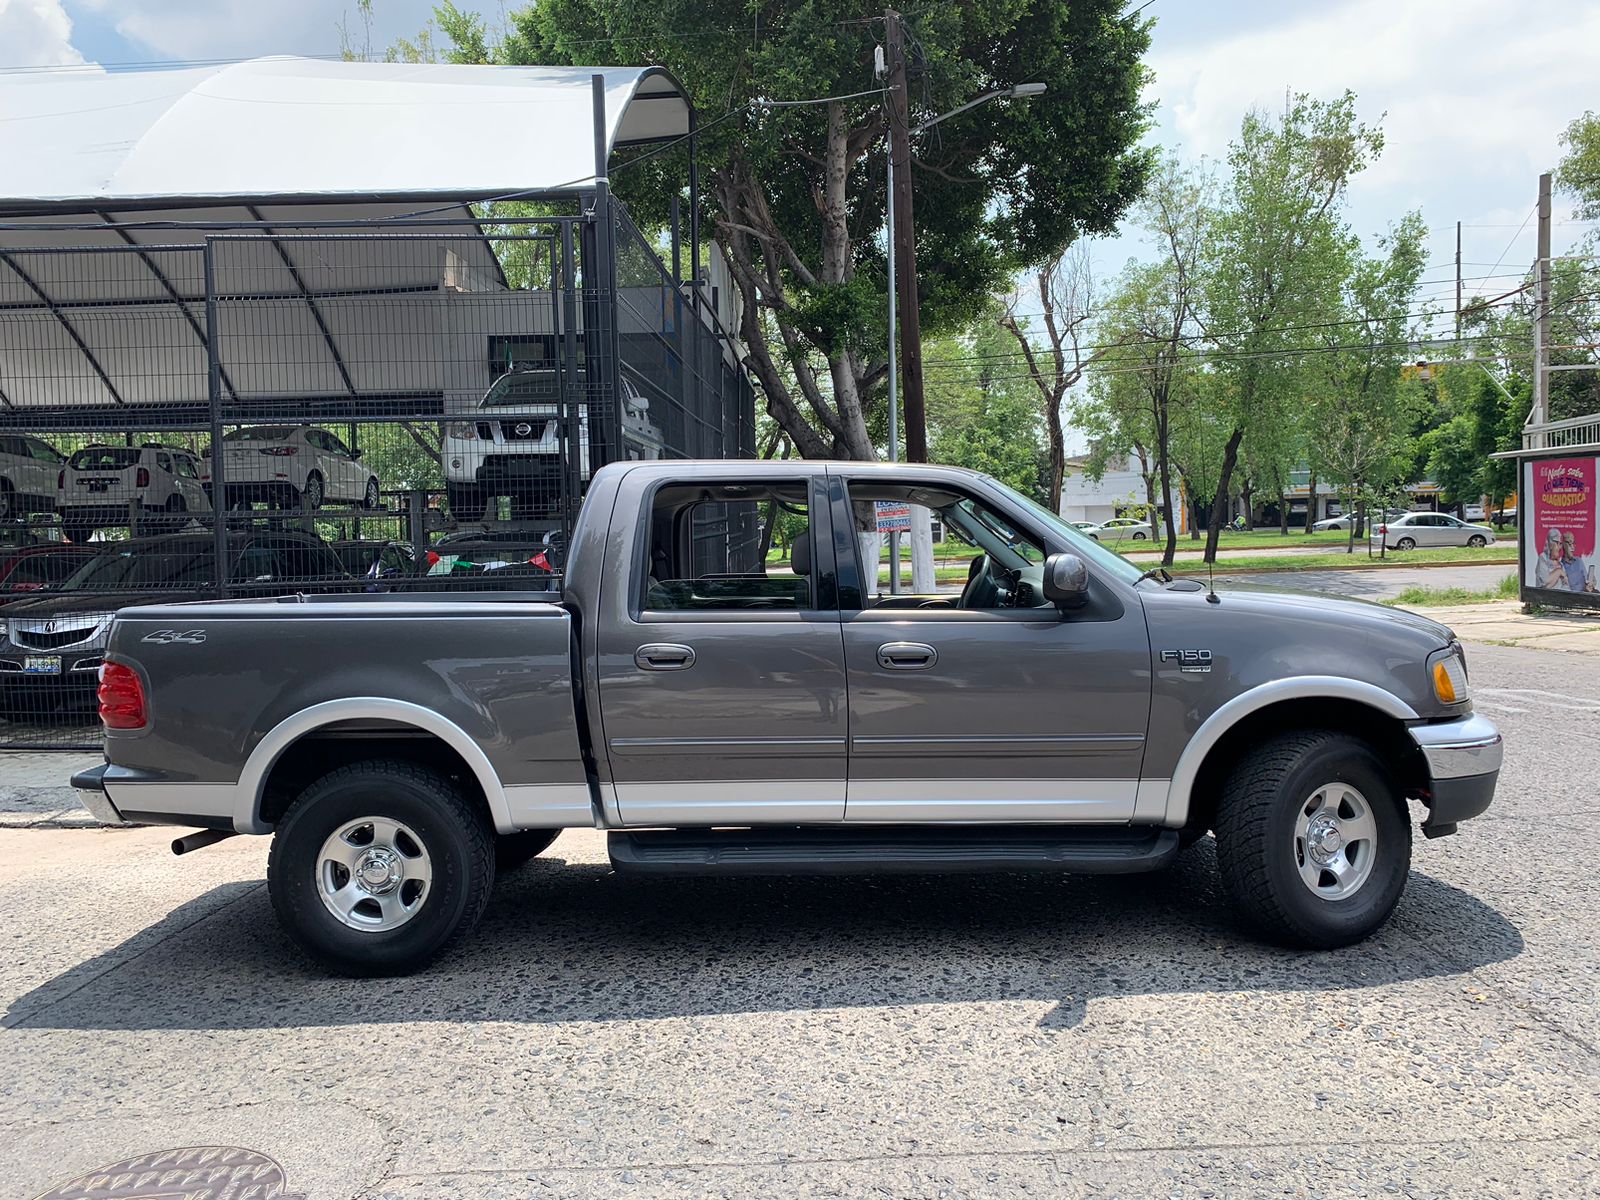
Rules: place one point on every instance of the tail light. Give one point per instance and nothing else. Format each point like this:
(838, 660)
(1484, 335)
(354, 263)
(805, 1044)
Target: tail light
(121, 695)
(61, 480)
(142, 479)
(1383, 529)
(277, 451)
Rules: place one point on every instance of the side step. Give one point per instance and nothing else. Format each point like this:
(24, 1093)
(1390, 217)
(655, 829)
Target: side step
(875, 849)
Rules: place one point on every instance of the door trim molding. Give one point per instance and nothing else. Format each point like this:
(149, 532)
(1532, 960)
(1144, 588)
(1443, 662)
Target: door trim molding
(1090, 801)
(730, 801)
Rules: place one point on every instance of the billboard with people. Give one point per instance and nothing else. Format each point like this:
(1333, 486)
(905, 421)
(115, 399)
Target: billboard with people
(1564, 512)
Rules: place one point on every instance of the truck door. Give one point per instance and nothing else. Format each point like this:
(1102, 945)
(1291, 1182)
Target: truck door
(974, 703)
(722, 682)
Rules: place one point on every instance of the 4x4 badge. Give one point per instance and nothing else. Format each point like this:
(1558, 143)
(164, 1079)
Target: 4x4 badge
(166, 637)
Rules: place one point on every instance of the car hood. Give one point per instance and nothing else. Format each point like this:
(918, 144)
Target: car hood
(66, 604)
(1315, 607)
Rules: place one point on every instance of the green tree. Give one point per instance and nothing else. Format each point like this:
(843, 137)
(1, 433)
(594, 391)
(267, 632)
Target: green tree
(796, 194)
(1280, 252)
(1151, 320)
(980, 415)
(1579, 171)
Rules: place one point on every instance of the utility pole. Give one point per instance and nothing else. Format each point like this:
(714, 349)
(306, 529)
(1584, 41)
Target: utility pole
(905, 244)
(1458, 281)
(1541, 310)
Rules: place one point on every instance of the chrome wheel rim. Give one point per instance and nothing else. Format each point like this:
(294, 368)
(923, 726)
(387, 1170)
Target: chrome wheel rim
(1335, 841)
(374, 874)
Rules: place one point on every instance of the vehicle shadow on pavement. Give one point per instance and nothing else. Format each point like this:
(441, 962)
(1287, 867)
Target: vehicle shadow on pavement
(572, 942)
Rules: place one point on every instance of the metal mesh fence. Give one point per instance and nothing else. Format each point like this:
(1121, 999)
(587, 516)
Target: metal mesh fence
(255, 411)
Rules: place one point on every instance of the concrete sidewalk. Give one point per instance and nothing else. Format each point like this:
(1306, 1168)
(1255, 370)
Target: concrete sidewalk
(1503, 623)
(34, 793)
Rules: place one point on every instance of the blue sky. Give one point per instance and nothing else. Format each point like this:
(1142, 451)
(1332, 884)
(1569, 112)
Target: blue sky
(1472, 94)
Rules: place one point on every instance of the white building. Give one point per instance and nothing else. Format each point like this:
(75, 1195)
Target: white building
(1119, 492)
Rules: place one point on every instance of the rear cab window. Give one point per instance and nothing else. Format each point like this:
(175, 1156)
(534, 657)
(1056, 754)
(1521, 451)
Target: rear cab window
(735, 547)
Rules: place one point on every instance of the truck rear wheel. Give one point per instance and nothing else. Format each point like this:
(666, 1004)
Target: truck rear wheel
(511, 850)
(379, 867)
(1313, 839)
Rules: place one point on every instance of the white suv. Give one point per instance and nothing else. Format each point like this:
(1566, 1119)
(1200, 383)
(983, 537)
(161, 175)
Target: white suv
(29, 471)
(147, 488)
(294, 466)
(519, 454)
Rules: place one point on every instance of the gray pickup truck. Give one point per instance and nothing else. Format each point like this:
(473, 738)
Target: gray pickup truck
(722, 687)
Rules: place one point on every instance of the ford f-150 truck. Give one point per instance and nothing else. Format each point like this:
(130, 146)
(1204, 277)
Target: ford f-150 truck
(726, 684)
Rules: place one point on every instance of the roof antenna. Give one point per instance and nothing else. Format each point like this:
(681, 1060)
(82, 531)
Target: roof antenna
(1211, 581)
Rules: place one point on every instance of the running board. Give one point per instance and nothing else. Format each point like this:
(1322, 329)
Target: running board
(874, 849)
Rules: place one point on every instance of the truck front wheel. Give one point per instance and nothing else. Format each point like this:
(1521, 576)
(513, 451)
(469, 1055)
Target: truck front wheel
(1313, 839)
(378, 867)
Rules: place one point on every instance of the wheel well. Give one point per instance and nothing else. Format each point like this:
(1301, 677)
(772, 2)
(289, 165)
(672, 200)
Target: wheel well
(317, 753)
(1385, 734)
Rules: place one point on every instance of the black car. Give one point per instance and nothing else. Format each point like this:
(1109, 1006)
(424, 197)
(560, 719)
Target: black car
(51, 646)
(376, 560)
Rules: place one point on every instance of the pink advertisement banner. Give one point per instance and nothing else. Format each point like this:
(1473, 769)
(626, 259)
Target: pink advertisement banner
(1564, 496)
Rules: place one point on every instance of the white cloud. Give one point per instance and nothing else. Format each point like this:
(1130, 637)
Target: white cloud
(36, 33)
(207, 29)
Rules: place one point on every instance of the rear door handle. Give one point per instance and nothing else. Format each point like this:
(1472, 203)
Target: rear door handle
(664, 656)
(906, 656)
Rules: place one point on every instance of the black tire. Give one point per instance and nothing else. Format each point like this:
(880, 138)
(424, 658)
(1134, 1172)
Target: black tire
(371, 500)
(313, 494)
(1477, 541)
(511, 850)
(1406, 544)
(456, 836)
(1138, 537)
(466, 501)
(1256, 842)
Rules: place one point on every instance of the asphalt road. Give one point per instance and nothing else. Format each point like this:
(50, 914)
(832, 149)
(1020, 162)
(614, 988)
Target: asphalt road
(1379, 583)
(892, 1037)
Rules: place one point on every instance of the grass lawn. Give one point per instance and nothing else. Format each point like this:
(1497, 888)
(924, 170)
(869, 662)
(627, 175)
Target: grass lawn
(1461, 555)
(1424, 597)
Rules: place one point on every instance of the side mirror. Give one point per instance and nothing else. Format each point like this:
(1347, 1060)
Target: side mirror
(1066, 581)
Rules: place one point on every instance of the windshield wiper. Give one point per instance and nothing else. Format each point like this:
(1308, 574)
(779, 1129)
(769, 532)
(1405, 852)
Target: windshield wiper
(1166, 576)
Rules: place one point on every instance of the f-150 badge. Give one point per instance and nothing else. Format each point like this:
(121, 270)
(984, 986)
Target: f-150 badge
(1196, 662)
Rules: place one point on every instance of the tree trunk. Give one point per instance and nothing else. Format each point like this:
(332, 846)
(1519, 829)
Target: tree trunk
(1246, 494)
(1230, 456)
(1194, 520)
(1283, 513)
(1058, 453)
(1311, 501)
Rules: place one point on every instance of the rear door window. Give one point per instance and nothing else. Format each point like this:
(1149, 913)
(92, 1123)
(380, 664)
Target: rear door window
(104, 458)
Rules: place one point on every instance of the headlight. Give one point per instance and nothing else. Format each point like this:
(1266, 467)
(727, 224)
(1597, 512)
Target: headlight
(1449, 674)
(5, 630)
(464, 430)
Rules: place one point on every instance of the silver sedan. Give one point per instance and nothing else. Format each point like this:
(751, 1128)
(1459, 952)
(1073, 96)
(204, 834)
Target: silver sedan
(1430, 529)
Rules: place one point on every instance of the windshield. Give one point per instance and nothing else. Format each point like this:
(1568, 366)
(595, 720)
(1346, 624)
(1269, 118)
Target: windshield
(104, 458)
(1082, 545)
(524, 389)
(264, 433)
(143, 567)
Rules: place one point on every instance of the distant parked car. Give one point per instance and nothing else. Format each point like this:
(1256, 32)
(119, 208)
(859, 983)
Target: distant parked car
(149, 488)
(1473, 512)
(29, 469)
(376, 560)
(1429, 529)
(294, 466)
(28, 570)
(1123, 529)
(1087, 527)
(1342, 523)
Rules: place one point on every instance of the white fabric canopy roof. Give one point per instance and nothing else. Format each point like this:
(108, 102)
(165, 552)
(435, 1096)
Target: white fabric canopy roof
(280, 128)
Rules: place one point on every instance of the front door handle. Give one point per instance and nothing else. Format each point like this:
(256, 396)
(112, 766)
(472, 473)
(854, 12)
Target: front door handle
(664, 656)
(906, 656)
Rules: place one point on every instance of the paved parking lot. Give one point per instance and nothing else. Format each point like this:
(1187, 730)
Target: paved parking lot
(846, 1037)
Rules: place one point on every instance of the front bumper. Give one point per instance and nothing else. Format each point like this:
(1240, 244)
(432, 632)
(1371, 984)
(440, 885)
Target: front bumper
(1463, 758)
(91, 787)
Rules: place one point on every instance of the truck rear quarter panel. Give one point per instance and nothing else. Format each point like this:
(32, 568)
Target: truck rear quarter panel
(499, 671)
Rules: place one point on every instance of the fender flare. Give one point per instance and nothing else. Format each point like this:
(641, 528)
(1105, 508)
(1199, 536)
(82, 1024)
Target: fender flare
(252, 780)
(1299, 687)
